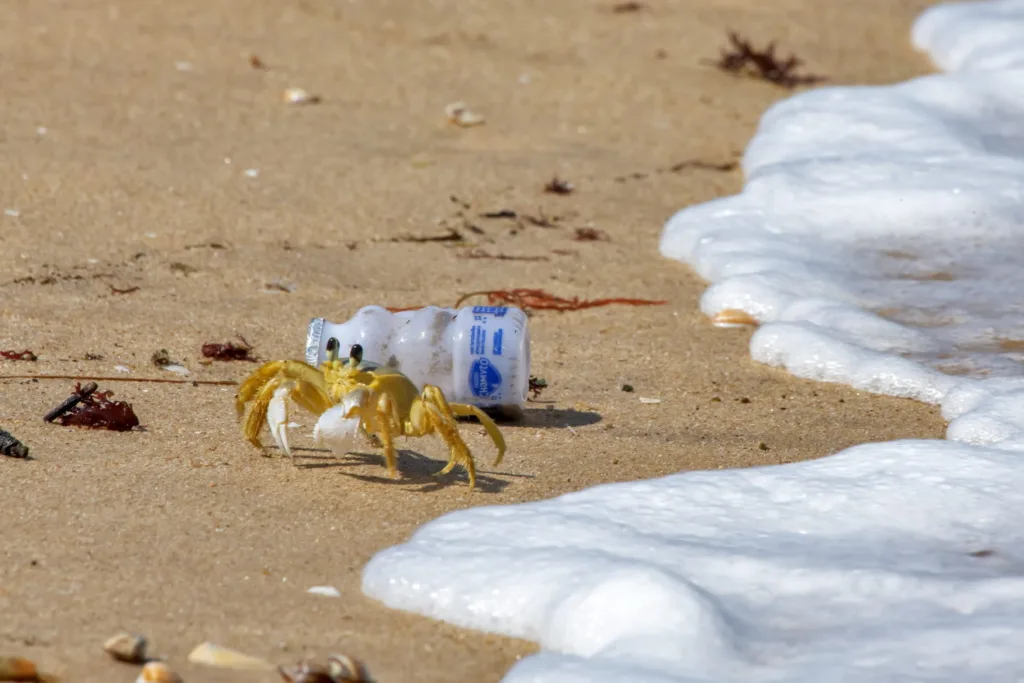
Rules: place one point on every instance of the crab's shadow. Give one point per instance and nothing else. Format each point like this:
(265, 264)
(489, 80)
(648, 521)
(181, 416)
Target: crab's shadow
(415, 470)
(553, 418)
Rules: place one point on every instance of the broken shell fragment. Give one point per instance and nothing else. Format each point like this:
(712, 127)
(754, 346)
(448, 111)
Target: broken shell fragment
(126, 647)
(17, 669)
(305, 672)
(157, 672)
(345, 669)
(459, 114)
(215, 655)
(733, 317)
(299, 96)
(339, 669)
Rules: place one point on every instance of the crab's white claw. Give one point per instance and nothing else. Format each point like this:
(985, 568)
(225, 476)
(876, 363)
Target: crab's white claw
(338, 426)
(277, 418)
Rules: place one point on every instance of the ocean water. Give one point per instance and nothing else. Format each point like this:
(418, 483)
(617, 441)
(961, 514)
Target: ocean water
(879, 242)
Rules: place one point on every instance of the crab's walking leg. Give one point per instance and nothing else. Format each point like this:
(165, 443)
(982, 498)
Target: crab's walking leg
(442, 419)
(389, 425)
(464, 410)
(257, 416)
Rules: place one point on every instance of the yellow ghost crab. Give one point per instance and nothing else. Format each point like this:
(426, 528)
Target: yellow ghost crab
(353, 396)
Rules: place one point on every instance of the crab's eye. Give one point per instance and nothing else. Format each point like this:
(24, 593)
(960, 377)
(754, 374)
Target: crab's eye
(356, 354)
(332, 349)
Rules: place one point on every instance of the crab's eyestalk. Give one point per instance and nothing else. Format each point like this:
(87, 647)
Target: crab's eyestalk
(355, 355)
(332, 349)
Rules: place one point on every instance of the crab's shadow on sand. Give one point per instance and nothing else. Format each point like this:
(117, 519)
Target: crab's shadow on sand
(415, 470)
(553, 418)
(419, 472)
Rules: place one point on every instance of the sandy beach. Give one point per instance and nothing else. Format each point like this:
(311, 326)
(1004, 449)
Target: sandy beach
(159, 194)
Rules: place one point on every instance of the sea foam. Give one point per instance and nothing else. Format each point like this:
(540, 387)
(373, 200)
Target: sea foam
(878, 241)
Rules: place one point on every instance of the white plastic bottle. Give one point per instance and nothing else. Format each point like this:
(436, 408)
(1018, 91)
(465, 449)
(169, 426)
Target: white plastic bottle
(478, 355)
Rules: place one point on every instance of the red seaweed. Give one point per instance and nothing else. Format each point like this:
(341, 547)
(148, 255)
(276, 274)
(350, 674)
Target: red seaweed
(97, 411)
(229, 351)
(18, 355)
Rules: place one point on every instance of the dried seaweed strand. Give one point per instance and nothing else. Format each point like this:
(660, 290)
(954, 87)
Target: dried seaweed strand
(482, 254)
(538, 299)
(153, 380)
(452, 235)
(70, 402)
(703, 165)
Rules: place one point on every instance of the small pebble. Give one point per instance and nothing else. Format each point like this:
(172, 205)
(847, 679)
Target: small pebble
(628, 388)
(762, 446)
(328, 591)
(650, 400)
(126, 647)
(251, 172)
(11, 446)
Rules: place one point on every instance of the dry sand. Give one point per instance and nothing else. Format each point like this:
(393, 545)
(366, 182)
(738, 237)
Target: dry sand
(152, 113)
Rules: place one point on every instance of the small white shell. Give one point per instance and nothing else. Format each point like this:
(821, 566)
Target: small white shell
(328, 591)
(459, 114)
(650, 400)
(733, 317)
(299, 96)
(215, 655)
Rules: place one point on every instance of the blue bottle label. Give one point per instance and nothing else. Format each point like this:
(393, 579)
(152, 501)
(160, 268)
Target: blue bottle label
(477, 340)
(497, 342)
(484, 378)
(496, 311)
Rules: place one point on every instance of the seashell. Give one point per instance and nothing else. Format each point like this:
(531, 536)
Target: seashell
(345, 669)
(328, 591)
(299, 96)
(459, 114)
(17, 669)
(126, 647)
(650, 401)
(215, 655)
(157, 672)
(339, 669)
(305, 672)
(733, 317)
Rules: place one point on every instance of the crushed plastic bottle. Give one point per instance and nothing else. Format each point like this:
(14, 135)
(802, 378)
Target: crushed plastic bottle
(478, 355)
